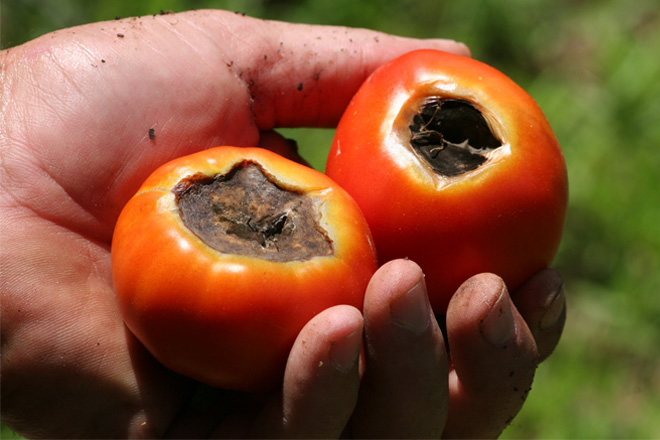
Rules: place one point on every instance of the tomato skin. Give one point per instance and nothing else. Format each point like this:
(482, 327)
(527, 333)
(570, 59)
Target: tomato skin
(505, 217)
(229, 320)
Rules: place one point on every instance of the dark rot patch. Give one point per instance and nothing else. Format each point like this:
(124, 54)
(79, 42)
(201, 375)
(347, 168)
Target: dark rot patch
(243, 212)
(452, 136)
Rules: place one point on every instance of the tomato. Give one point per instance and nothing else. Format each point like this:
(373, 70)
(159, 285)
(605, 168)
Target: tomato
(454, 166)
(223, 256)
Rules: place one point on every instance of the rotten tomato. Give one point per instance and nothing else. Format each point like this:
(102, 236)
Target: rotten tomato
(455, 167)
(223, 256)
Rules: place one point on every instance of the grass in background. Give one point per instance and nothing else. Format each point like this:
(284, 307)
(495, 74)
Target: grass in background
(594, 68)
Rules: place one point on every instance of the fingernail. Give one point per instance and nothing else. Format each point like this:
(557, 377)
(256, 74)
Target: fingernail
(553, 310)
(497, 326)
(411, 309)
(344, 352)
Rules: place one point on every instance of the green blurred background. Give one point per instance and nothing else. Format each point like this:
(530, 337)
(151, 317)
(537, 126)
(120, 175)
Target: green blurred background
(594, 68)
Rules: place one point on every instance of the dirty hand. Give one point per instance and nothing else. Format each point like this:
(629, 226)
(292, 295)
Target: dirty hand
(88, 113)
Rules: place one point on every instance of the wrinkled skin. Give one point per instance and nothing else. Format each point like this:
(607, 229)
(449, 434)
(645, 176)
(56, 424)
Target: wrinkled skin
(77, 109)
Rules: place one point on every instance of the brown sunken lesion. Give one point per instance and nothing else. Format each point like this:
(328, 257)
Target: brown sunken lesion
(245, 212)
(452, 136)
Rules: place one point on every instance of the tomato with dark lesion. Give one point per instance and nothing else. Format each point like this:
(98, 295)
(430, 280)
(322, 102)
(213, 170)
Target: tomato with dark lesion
(223, 256)
(455, 167)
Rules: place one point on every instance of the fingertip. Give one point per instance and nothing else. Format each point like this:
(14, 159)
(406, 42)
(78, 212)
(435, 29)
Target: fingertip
(494, 358)
(487, 336)
(401, 264)
(401, 396)
(321, 380)
(542, 303)
(397, 292)
(330, 339)
(331, 326)
(345, 351)
(411, 309)
(340, 320)
(345, 332)
(547, 279)
(497, 325)
(450, 46)
(554, 309)
(474, 298)
(396, 276)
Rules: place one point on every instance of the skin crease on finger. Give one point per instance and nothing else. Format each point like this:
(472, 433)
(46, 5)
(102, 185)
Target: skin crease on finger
(78, 109)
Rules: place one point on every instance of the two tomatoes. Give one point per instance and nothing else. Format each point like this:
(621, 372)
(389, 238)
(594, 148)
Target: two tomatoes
(221, 257)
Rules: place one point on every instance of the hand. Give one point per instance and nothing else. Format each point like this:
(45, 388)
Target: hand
(78, 106)
(408, 388)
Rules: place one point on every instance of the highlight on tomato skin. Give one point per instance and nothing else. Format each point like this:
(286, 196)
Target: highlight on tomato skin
(221, 258)
(455, 167)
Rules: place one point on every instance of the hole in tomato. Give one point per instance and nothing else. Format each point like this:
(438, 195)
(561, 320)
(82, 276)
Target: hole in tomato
(244, 212)
(452, 136)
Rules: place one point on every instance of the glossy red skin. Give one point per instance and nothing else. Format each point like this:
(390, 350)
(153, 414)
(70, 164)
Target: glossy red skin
(506, 217)
(223, 319)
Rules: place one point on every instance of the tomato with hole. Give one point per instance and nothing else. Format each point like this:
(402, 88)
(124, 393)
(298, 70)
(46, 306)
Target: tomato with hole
(455, 167)
(221, 258)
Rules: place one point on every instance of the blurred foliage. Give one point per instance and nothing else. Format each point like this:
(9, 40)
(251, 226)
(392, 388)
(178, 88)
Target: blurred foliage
(594, 68)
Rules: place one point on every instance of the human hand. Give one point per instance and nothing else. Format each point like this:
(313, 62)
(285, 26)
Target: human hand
(78, 108)
(413, 386)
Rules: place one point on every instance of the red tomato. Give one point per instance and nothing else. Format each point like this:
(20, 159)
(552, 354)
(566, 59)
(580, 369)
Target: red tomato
(228, 316)
(455, 167)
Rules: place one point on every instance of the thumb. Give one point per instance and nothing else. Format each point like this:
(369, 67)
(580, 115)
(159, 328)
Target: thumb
(304, 75)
